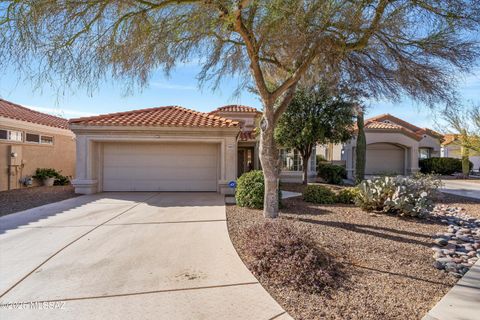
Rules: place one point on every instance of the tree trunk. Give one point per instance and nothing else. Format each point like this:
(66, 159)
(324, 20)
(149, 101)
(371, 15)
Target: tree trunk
(465, 161)
(305, 169)
(270, 164)
(361, 150)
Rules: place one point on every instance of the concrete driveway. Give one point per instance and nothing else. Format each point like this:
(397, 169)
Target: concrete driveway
(127, 256)
(466, 188)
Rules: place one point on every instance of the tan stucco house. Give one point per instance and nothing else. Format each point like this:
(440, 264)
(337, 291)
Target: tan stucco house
(394, 146)
(169, 149)
(29, 140)
(451, 148)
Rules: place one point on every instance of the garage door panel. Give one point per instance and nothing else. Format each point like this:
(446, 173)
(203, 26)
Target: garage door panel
(384, 158)
(153, 160)
(160, 167)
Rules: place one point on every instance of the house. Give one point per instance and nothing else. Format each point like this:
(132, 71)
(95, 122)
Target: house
(394, 146)
(29, 140)
(451, 148)
(170, 149)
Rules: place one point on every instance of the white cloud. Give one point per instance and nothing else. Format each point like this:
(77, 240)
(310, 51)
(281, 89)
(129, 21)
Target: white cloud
(171, 86)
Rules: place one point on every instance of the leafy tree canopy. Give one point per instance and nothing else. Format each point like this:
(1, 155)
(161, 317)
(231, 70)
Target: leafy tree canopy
(314, 116)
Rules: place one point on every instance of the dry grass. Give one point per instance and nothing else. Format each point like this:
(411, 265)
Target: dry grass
(388, 264)
(22, 199)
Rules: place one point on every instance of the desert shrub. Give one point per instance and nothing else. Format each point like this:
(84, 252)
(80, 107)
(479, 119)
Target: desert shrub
(331, 173)
(45, 173)
(441, 165)
(318, 194)
(251, 189)
(285, 257)
(347, 195)
(61, 180)
(407, 196)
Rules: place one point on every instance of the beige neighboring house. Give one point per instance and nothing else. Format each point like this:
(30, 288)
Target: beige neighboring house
(169, 149)
(394, 146)
(451, 149)
(29, 140)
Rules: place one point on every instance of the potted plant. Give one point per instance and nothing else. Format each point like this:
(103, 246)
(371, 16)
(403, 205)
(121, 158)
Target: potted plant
(46, 176)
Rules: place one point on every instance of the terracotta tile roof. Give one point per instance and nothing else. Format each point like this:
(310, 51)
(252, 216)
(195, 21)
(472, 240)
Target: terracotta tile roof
(399, 121)
(382, 125)
(449, 138)
(389, 122)
(14, 111)
(236, 108)
(171, 116)
(248, 135)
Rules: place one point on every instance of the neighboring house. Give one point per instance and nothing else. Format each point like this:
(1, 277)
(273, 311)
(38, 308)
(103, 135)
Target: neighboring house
(168, 149)
(394, 146)
(451, 148)
(31, 140)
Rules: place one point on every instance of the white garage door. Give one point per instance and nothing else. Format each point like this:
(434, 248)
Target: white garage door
(160, 167)
(384, 158)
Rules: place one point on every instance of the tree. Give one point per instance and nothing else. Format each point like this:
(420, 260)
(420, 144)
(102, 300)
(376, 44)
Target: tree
(314, 116)
(464, 122)
(361, 148)
(386, 48)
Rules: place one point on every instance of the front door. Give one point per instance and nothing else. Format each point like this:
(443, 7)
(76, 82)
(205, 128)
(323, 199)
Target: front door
(244, 160)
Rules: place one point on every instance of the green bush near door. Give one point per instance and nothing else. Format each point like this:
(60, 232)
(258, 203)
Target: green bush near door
(331, 173)
(251, 189)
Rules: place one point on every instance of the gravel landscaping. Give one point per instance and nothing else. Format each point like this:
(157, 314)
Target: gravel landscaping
(22, 199)
(388, 269)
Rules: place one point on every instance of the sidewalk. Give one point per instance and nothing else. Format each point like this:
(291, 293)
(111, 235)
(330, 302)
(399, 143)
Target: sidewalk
(462, 302)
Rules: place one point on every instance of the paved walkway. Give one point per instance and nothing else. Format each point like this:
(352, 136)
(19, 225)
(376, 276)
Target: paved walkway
(464, 188)
(462, 302)
(290, 194)
(127, 256)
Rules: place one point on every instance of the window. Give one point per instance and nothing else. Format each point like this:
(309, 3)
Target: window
(11, 135)
(31, 137)
(424, 153)
(46, 140)
(291, 160)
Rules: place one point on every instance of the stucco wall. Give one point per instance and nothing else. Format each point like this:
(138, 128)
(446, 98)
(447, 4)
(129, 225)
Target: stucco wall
(60, 155)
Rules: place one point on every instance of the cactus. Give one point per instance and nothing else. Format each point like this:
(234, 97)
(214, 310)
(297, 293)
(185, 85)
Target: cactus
(406, 196)
(361, 149)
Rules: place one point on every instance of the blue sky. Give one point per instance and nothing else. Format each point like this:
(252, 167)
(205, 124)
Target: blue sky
(181, 89)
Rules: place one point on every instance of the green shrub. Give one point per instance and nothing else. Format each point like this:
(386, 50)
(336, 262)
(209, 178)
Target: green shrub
(61, 180)
(251, 189)
(318, 194)
(331, 173)
(45, 173)
(407, 196)
(441, 165)
(347, 195)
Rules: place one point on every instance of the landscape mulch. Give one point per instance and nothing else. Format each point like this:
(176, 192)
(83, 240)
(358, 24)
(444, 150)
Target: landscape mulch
(388, 268)
(22, 199)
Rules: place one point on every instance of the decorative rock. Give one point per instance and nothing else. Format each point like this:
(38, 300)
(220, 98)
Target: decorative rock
(458, 249)
(441, 241)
